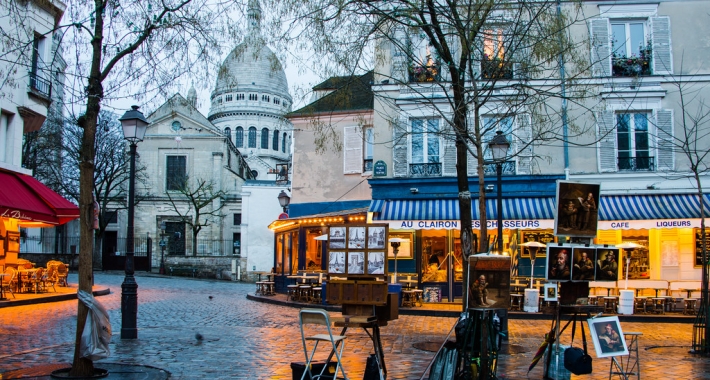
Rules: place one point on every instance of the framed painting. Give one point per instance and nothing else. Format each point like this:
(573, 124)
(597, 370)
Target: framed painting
(376, 262)
(405, 247)
(376, 237)
(336, 262)
(356, 262)
(607, 336)
(337, 237)
(356, 237)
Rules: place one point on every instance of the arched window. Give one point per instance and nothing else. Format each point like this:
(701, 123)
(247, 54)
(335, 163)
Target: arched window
(275, 141)
(239, 137)
(265, 138)
(228, 133)
(252, 137)
(283, 143)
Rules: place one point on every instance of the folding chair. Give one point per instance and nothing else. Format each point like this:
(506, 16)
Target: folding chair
(320, 317)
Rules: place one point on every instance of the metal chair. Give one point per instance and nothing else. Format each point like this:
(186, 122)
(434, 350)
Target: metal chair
(320, 317)
(9, 282)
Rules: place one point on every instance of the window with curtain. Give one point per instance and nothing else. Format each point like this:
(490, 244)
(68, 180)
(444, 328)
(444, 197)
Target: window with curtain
(632, 141)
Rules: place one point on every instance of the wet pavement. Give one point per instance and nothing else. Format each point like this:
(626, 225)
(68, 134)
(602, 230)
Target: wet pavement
(246, 339)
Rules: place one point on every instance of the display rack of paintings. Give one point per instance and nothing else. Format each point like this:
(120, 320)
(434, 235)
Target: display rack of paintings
(357, 250)
(582, 263)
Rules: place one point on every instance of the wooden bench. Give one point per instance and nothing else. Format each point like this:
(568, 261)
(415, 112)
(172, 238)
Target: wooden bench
(177, 271)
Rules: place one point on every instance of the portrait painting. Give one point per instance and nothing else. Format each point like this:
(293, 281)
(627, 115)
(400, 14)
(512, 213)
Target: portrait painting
(376, 237)
(337, 237)
(376, 262)
(558, 263)
(577, 209)
(336, 262)
(356, 238)
(607, 336)
(489, 281)
(551, 292)
(356, 262)
(607, 264)
(583, 260)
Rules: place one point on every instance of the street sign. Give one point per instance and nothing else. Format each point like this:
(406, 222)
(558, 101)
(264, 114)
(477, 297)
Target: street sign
(163, 243)
(283, 215)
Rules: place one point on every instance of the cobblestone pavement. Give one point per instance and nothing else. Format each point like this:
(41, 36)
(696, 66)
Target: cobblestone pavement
(244, 339)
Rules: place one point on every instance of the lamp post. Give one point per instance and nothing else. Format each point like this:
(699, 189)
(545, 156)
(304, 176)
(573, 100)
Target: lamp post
(134, 125)
(284, 200)
(395, 243)
(499, 150)
(163, 243)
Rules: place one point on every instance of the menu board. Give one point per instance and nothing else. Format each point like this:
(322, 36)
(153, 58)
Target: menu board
(699, 245)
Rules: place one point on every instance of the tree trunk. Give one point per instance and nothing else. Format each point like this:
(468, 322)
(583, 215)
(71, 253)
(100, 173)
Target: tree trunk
(82, 366)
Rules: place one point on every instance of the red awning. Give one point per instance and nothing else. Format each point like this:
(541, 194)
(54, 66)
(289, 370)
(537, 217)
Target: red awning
(25, 198)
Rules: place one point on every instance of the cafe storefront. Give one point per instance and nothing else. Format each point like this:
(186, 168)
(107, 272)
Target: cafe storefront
(666, 225)
(300, 243)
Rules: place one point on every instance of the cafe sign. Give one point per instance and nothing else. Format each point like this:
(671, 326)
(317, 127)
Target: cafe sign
(648, 224)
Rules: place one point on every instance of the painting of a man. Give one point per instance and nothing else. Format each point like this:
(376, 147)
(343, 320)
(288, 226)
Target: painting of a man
(559, 264)
(577, 211)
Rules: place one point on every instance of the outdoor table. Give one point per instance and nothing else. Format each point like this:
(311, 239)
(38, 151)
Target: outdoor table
(409, 283)
(259, 274)
(657, 289)
(303, 278)
(689, 291)
(29, 273)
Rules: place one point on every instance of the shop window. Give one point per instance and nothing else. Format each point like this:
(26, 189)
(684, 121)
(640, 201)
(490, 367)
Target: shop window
(639, 266)
(434, 258)
(314, 249)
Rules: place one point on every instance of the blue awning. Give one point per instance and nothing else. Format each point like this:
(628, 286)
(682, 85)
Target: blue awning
(612, 207)
(662, 206)
(448, 209)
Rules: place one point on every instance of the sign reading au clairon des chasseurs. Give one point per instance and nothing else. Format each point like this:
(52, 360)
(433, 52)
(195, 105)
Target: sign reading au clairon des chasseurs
(533, 224)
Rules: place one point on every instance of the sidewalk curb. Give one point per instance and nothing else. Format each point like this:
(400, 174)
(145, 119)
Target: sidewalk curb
(50, 298)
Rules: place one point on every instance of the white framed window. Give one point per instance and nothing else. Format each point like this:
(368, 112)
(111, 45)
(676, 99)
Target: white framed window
(633, 141)
(425, 141)
(493, 124)
(628, 37)
(368, 148)
(175, 172)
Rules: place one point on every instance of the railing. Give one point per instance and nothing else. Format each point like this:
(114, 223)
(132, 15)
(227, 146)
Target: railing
(496, 69)
(637, 163)
(42, 86)
(426, 73)
(425, 170)
(508, 168)
(48, 244)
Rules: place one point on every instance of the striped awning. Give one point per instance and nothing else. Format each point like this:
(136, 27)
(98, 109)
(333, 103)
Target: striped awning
(448, 209)
(662, 206)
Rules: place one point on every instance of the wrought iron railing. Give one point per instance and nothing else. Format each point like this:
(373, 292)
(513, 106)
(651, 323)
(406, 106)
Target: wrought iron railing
(637, 163)
(496, 69)
(40, 85)
(425, 73)
(425, 170)
(508, 168)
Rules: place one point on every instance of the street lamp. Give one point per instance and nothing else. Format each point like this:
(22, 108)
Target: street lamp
(163, 243)
(284, 200)
(134, 125)
(395, 243)
(499, 150)
(532, 246)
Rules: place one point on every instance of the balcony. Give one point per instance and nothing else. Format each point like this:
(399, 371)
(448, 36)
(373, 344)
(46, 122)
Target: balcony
(425, 170)
(425, 73)
(508, 168)
(633, 66)
(40, 86)
(496, 68)
(633, 164)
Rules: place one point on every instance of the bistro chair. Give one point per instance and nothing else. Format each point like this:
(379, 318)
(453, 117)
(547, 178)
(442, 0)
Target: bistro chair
(50, 277)
(319, 317)
(62, 272)
(37, 280)
(9, 282)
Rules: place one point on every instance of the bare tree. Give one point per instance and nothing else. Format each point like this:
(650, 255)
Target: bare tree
(462, 60)
(690, 139)
(198, 203)
(138, 49)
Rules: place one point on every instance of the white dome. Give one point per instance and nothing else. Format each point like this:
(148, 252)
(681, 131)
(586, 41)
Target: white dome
(252, 66)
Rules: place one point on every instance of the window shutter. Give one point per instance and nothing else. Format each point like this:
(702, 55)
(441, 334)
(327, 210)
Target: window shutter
(601, 48)
(665, 158)
(661, 38)
(399, 148)
(352, 152)
(448, 159)
(523, 145)
(606, 146)
(398, 69)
